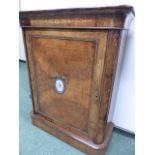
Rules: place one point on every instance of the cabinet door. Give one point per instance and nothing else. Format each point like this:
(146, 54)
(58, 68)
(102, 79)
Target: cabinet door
(65, 70)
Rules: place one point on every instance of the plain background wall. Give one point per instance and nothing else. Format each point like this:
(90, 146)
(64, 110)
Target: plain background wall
(122, 108)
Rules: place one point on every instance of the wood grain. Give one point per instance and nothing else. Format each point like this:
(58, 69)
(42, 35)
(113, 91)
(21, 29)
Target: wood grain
(47, 57)
(81, 46)
(104, 17)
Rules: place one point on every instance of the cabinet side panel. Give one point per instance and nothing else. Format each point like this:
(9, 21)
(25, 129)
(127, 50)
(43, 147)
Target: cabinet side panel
(122, 52)
(109, 70)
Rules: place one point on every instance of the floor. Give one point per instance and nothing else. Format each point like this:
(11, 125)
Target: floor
(34, 141)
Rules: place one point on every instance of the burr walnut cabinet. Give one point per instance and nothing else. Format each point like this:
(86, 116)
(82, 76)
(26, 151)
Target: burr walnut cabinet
(72, 57)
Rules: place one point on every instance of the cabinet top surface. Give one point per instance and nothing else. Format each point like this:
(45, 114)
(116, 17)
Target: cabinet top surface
(101, 17)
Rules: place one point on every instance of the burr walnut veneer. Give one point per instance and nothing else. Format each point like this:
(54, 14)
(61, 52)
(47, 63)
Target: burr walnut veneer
(72, 57)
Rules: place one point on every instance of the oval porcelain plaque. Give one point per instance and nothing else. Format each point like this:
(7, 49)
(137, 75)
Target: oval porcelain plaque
(59, 85)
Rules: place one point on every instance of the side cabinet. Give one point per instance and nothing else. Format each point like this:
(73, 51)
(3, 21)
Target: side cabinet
(72, 58)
